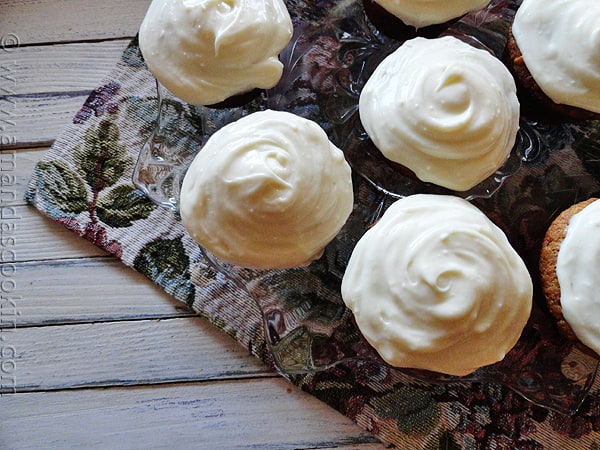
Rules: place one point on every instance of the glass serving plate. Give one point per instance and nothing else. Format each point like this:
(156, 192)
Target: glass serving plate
(307, 326)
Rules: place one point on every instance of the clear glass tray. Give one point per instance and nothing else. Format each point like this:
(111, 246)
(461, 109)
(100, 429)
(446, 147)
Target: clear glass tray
(307, 327)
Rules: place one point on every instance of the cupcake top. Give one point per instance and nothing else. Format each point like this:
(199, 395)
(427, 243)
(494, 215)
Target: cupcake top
(267, 191)
(444, 109)
(205, 51)
(436, 285)
(560, 44)
(577, 273)
(421, 13)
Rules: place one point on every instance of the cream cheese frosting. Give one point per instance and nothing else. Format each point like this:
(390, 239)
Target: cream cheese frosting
(444, 109)
(421, 13)
(435, 285)
(577, 272)
(205, 51)
(560, 44)
(267, 191)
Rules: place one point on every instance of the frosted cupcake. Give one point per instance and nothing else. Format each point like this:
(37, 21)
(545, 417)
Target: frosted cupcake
(443, 109)
(569, 262)
(205, 52)
(554, 53)
(268, 191)
(435, 285)
(406, 19)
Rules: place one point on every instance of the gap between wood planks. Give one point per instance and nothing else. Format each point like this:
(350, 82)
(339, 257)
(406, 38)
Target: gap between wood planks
(233, 377)
(50, 82)
(124, 353)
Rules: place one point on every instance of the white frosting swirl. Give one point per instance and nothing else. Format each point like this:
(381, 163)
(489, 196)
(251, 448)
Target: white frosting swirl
(205, 51)
(267, 191)
(560, 44)
(577, 272)
(436, 285)
(420, 13)
(444, 109)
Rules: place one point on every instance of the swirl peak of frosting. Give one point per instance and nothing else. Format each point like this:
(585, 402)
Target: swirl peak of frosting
(560, 44)
(436, 285)
(205, 51)
(421, 13)
(267, 191)
(444, 109)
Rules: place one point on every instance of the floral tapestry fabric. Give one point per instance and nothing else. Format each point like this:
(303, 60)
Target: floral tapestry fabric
(85, 183)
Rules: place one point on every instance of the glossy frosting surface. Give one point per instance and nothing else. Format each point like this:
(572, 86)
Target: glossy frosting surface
(444, 109)
(436, 285)
(267, 191)
(577, 272)
(560, 44)
(205, 51)
(420, 13)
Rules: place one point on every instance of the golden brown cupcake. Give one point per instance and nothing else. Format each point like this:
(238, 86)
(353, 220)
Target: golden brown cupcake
(567, 273)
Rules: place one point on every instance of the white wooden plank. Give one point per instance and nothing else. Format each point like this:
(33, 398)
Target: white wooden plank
(43, 87)
(255, 412)
(239, 414)
(40, 21)
(34, 237)
(83, 290)
(36, 120)
(58, 68)
(125, 353)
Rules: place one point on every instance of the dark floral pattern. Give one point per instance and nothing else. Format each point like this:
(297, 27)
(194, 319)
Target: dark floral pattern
(99, 102)
(84, 183)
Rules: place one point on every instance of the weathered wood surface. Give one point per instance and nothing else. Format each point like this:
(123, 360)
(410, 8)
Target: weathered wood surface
(233, 414)
(94, 355)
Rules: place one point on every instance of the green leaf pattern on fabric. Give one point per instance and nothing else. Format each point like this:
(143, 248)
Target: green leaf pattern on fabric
(61, 188)
(166, 262)
(101, 158)
(101, 161)
(411, 408)
(123, 205)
